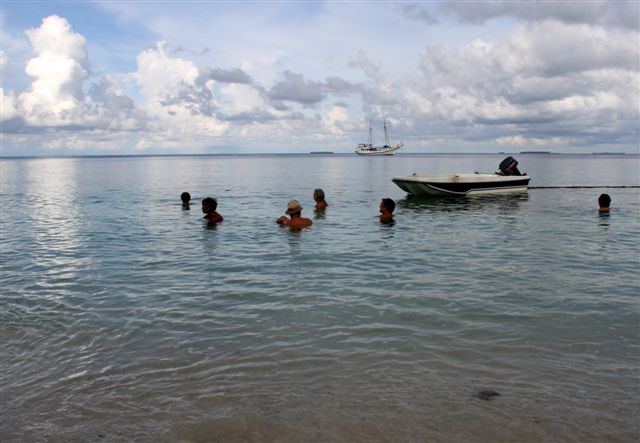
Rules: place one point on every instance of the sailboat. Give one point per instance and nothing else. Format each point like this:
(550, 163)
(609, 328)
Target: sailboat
(369, 149)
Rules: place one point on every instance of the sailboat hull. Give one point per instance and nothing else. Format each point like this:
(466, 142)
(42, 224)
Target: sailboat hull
(377, 151)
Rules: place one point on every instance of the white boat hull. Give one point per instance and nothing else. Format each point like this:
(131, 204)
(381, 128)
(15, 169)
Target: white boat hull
(462, 184)
(377, 151)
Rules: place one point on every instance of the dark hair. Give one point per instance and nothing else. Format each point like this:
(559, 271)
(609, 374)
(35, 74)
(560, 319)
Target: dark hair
(185, 197)
(389, 204)
(210, 202)
(318, 194)
(604, 200)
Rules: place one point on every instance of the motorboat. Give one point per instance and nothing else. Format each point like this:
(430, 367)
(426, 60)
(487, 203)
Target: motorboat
(369, 149)
(507, 179)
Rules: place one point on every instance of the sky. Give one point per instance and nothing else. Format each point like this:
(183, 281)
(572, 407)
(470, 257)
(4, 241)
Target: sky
(195, 77)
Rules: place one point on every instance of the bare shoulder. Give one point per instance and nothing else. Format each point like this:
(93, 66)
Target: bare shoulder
(214, 218)
(300, 223)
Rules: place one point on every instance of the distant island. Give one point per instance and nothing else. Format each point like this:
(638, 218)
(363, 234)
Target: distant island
(535, 152)
(608, 153)
(321, 152)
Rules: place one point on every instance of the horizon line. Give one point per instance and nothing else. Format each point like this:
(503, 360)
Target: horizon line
(314, 153)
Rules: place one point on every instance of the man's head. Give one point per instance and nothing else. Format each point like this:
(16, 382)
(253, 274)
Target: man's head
(604, 200)
(388, 204)
(185, 197)
(209, 204)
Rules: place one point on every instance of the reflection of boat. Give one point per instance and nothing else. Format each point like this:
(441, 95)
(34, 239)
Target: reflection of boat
(499, 203)
(369, 149)
(507, 179)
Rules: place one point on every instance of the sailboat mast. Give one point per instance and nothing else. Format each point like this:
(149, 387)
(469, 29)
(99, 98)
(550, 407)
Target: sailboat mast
(386, 136)
(370, 134)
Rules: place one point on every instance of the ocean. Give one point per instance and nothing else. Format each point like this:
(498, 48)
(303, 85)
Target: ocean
(125, 317)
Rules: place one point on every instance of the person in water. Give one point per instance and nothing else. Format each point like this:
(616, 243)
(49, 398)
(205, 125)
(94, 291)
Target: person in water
(387, 206)
(318, 196)
(185, 197)
(297, 221)
(604, 201)
(209, 206)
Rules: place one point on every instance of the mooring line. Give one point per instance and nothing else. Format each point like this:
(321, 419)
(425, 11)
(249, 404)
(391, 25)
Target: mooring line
(583, 187)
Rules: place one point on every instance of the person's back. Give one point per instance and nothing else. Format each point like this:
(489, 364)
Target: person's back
(297, 221)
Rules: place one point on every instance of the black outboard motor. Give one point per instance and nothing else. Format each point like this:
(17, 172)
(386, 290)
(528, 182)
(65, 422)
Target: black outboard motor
(509, 166)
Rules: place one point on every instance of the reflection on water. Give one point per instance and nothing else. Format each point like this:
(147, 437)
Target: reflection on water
(319, 214)
(212, 226)
(604, 218)
(496, 202)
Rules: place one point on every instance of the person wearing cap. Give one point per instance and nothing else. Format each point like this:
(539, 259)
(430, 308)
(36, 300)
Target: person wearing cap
(387, 206)
(604, 201)
(209, 206)
(297, 221)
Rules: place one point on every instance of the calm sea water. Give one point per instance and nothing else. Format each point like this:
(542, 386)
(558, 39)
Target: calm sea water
(124, 317)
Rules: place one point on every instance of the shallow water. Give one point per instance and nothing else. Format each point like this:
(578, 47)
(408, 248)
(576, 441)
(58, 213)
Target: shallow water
(125, 317)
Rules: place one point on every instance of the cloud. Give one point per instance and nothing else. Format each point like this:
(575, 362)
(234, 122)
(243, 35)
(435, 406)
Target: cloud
(56, 98)
(8, 108)
(337, 85)
(197, 99)
(414, 11)
(543, 79)
(335, 119)
(114, 110)
(597, 13)
(381, 90)
(162, 78)
(293, 87)
(253, 116)
(296, 89)
(226, 76)
(59, 71)
(177, 96)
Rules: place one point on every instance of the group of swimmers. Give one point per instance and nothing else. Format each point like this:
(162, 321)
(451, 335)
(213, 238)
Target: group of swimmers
(297, 221)
(294, 210)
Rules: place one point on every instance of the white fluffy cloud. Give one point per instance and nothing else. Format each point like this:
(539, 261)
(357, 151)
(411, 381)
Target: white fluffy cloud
(334, 119)
(542, 76)
(59, 71)
(8, 108)
(57, 96)
(160, 75)
(179, 104)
